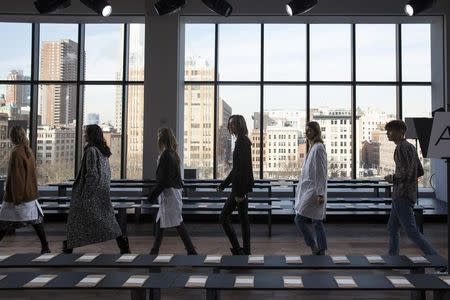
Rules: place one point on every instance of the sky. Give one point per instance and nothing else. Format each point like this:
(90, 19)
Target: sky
(104, 56)
(285, 59)
(239, 59)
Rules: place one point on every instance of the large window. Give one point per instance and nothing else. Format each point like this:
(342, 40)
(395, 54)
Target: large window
(351, 78)
(83, 77)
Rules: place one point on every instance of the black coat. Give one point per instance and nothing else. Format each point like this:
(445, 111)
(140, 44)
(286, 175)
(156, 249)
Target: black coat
(168, 174)
(241, 176)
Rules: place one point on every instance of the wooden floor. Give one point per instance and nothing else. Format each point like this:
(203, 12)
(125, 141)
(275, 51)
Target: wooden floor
(349, 238)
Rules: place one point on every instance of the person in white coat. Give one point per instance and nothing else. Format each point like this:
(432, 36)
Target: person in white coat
(311, 193)
(168, 192)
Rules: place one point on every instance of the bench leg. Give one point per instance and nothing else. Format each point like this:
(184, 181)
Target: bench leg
(212, 294)
(269, 222)
(418, 295)
(123, 220)
(419, 220)
(154, 224)
(139, 294)
(441, 295)
(154, 294)
(62, 191)
(377, 192)
(137, 215)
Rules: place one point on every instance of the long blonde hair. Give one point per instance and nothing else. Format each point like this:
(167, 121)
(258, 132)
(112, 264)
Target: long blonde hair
(18, 137)
(167, 141)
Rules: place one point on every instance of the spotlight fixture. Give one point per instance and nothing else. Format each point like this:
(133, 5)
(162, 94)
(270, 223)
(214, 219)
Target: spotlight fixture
(221, 7)
(417, 6)
(296, 7)
(164, 7)
(101, 7)
(48, 6)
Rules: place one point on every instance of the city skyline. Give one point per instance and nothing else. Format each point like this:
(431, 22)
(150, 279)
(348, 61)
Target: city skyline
(241, 52)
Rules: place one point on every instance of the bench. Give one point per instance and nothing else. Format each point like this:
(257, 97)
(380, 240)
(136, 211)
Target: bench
(227, 262)
(420, 283)
(215, 206)
(111, 281)
(272, 262)
(191, 186)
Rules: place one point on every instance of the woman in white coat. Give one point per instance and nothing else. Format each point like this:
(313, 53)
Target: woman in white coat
(168, 192)
(311, 193)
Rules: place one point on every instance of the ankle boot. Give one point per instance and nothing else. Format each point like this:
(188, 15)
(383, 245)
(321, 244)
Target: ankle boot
(238, 251)
(124, 246)
(154, 251)
(184, 235)
(40, 232)
(66, 250)
(191, 251)
(45, 249)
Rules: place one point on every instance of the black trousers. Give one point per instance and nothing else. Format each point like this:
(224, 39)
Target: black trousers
(182, 232)
(225, 220)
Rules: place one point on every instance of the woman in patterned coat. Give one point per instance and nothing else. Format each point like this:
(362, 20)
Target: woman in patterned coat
(91, 217)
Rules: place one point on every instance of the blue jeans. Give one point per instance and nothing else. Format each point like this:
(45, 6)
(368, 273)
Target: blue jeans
(303, 227)
(402, 214)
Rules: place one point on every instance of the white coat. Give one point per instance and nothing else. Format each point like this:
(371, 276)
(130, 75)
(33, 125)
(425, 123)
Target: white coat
(170, 208)
(312, 183)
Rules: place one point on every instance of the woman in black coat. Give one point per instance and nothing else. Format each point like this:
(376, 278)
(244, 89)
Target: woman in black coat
(168, 192)
(241, 178)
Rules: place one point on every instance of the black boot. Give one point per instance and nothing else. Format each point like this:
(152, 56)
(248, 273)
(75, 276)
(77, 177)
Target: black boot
(182, 231)
(154, 251)
(124, 246)
(39, 228)
(2, 234)
(238, 251)
(66, 250)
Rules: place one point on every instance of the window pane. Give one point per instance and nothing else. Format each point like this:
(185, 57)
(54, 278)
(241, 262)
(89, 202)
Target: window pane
(15, 52)
(199, 52)
(330, 52)
(285, 52)
(137, 52)
(14, 111)
(104, 51)
(416, 52)
(239, 52)
(135, 131)
(417, 104)
(98, 110)
(237, 100)
(55, 151)
(375, 52)
(199, 129)
(331, 108)
(284, 128)
(59, 52)
(376, 105)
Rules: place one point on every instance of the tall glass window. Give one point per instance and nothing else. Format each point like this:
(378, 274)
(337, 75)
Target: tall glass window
(350, 78)
(80, 80)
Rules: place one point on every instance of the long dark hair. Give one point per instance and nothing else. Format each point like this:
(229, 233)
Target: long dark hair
(239, 125)
(167, 141)
(315, 127)
(94, 137)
